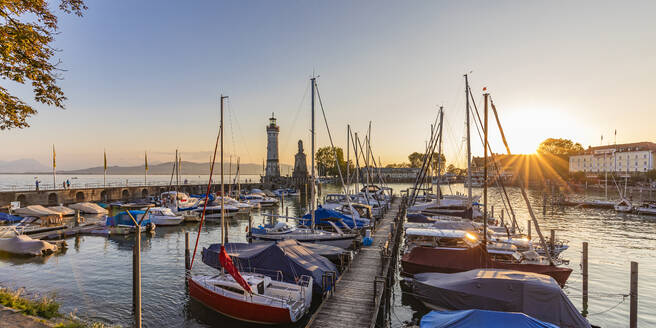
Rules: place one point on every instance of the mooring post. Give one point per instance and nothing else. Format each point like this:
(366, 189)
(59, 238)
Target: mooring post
(544, 203)
(250, 227)
(633, 308)
(187, 254)
(529, 230)
(502, 223)
(584, 264)
(492, 212)
(287, 213)
(77, 218)
(137, 277)
(552, 242)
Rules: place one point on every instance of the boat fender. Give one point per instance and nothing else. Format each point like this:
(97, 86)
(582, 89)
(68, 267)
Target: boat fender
(367, 241)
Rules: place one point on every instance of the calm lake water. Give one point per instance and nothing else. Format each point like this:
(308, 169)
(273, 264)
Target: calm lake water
(93, 278)
(10, 182)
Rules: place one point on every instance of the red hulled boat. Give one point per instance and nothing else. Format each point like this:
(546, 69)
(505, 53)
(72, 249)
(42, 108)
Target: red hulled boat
(449, 260)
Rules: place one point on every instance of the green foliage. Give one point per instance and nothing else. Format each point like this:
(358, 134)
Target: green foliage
(559, 147)
(455, 170)
(397, 165)
(325, 161)
(44, 307)
(416, 159)
(27, 30)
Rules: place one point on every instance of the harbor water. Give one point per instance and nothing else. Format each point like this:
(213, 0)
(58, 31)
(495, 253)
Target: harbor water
(93, 278)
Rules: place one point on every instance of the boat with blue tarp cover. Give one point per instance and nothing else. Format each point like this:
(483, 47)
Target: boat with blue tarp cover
(287, 258)
(323, 215)
(481, 318)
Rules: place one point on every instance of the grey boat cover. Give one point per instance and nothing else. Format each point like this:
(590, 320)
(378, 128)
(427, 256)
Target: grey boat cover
(269, 258)
(331, 252)
(534, 294)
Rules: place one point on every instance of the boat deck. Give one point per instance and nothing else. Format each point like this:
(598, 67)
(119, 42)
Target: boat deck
(353, 303)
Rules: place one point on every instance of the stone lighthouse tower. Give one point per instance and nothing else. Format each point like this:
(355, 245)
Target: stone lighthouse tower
(272, 166)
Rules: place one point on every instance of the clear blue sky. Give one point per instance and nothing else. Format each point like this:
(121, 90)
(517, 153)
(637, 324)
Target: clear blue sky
(146, 75)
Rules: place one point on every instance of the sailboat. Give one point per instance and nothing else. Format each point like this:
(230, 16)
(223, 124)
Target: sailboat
(283, 231)
(462, 251)
(247, 297)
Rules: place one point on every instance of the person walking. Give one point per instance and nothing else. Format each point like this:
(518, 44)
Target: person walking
(68, 183)
(64, 184)
(37, 184)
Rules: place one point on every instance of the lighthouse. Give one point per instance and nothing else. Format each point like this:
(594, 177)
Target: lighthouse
(272, 166)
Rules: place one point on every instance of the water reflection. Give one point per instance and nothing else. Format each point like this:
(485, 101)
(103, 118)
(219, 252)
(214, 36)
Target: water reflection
(94, 278)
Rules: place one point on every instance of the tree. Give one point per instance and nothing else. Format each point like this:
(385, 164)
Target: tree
(559, 147)
(452, 169)
(26, 54)
(416, 159)
(397, 165)
(325, 160)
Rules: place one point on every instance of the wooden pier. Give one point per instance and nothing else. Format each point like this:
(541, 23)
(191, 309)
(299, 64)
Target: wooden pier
(361, 294)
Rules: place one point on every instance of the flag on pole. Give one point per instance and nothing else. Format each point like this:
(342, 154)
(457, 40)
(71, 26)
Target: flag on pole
(54, 156)
(146, 160)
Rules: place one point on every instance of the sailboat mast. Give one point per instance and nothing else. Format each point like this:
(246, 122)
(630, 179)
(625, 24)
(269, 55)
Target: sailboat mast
(485, 173)
(469, 189)
(439, 156)
(312, 182)
(357, 164)
(223, 225)
(348, 172)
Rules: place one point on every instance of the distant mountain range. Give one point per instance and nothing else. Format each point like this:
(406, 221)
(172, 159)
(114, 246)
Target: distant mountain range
(22, 166)
(187, 168)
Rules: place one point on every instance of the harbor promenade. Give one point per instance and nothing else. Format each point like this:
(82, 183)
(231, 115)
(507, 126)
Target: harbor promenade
(102, 194)
(361, 294)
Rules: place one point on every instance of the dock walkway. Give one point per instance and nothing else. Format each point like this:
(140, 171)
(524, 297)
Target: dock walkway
(353, 303)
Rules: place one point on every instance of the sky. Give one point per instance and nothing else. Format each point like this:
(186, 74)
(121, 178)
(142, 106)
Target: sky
(146, 76)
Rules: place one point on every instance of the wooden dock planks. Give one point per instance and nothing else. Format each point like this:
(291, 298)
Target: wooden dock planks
(352, 304)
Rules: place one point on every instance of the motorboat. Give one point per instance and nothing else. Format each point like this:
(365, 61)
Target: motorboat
(476, 318)
(88, 208)
(122, 224)
(624, 206)
(179, 201)
(648, 209)
(213, 212)
(260, 199)
(62, 210)
(36, 211)
(282, 231)
(450, 250)
(163, 216)
(533, 294)
(243, 207)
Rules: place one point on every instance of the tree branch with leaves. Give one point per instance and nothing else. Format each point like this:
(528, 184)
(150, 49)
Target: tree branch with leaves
(27, 31)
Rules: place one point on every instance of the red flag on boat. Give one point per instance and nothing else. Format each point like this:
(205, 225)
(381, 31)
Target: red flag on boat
(226, 263)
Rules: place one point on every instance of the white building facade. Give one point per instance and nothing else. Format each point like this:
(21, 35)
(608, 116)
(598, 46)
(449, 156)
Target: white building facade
(624, 158)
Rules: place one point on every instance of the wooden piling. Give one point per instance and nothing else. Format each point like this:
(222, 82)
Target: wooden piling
(137, 278)
(633, 307)
(529, 230)
(544, 203)
(584, 264)
(250, 227)
(187, 253)
(552, 241)
(492, 212)
(286, 213)
(502, 223)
